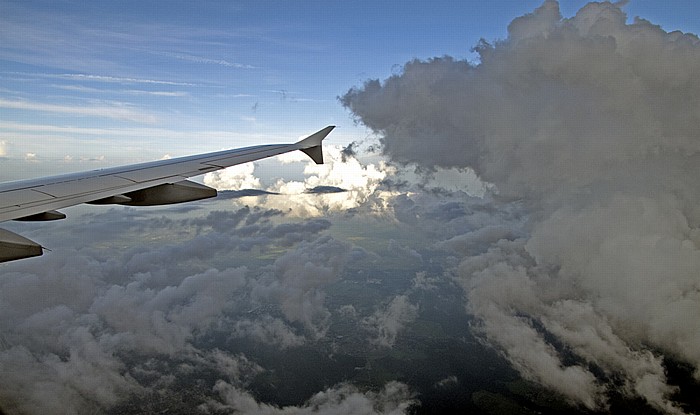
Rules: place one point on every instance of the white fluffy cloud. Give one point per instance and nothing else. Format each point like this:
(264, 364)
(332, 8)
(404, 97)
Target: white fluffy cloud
(592, 124)
(233, 178)
(352, 183)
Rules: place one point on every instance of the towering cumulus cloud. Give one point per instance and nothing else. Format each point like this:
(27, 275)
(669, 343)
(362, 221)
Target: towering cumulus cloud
(595, 124)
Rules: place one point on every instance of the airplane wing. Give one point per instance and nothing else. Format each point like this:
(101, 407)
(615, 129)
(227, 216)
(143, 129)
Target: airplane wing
(146, 184)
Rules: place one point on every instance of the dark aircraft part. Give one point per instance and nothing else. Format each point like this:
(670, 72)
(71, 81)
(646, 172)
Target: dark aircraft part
(315, 153)
(13, 246)
(112, 200)
(166, 194)
(42, 217)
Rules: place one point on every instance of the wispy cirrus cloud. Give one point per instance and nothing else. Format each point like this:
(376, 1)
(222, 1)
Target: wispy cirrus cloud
(86, 77)
(206, 135)
(114, 79)
(79, 88)
(114, 112)
(204, 60)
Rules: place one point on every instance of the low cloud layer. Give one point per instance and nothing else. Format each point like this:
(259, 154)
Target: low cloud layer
(387, 322)
(104, 326)
(592, 124)
(394, 399)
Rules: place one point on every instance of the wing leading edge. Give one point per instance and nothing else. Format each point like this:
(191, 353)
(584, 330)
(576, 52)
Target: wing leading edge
(146, 184)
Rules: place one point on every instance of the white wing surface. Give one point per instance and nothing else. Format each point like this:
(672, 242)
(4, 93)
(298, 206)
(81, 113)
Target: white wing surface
(146, 184)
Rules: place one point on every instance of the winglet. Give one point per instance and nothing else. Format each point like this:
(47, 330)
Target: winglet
(311, 145)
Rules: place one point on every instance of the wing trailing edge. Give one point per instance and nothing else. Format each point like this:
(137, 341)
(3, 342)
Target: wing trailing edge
(13, 246)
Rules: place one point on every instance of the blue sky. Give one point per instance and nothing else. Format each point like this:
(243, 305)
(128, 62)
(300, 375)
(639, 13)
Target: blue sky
(113, 82)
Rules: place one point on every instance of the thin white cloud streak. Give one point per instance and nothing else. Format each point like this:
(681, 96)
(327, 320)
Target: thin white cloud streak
(78, 88)
(116, 79)
(97, 78)
(119, 113)
(74, 43)
(200, 59)
(172, 94)
(151, 132)
(226, 139)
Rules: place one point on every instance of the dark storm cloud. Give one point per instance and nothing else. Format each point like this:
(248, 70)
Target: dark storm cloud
(592, 124)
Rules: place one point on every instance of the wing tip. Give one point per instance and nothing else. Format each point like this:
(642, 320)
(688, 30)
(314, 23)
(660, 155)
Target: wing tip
(311, 145)
(316, 138)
